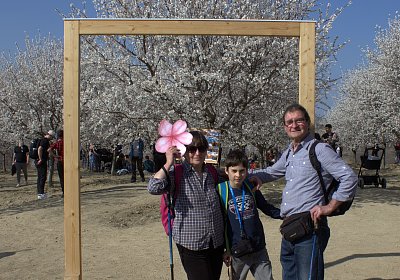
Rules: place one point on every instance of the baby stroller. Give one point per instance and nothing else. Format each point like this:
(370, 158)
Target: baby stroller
(371, 160)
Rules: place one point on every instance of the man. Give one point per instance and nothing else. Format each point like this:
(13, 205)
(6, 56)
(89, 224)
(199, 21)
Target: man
(41, 163)
(136, 156)
(303, 193)
(21, 160)
(330, 137)
(58, 148)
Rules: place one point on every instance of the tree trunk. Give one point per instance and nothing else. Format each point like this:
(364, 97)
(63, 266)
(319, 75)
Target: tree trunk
(114, 161)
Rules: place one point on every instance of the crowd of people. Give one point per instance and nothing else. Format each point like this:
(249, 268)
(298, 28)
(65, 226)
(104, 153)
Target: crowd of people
(40, 151)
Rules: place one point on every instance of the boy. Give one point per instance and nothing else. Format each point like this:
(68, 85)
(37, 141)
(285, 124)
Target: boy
(244, 233)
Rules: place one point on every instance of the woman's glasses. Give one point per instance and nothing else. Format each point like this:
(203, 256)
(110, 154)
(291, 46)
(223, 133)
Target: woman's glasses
(193, 149)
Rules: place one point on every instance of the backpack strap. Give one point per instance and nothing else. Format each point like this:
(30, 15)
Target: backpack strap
(222, 189)
(178, 174)
(317, 166)
(213, 171)
(174, 190)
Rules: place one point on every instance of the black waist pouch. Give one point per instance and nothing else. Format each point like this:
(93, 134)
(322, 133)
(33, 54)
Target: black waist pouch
(297, 226)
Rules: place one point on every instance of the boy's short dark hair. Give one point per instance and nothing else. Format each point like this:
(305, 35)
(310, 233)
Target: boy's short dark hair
(236, 157)
(328, 125)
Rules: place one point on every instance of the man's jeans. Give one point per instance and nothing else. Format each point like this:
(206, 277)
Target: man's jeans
(296, 256)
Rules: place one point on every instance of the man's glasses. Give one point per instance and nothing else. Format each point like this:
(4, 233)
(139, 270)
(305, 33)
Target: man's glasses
(300, 121)
(193, 149)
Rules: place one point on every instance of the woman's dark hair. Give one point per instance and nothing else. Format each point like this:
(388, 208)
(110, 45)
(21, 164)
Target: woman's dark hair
(199, 140)
(236, 157)
(297, 107)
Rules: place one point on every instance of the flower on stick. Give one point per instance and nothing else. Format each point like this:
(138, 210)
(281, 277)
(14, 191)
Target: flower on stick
(173, 135)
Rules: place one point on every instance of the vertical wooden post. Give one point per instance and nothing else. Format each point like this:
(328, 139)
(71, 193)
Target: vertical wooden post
(72, 205)
(307, 69)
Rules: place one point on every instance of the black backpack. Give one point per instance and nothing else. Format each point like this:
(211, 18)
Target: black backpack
(33, 148)
(332, 187)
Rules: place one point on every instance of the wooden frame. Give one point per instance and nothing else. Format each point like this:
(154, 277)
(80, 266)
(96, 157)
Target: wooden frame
(73, 28)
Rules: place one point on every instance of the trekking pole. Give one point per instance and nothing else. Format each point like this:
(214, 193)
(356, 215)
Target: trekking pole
(312, 257)
(171, 256)
(314, 239)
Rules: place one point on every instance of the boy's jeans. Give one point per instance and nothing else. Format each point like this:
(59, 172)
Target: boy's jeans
(258, 263)
(296, 256)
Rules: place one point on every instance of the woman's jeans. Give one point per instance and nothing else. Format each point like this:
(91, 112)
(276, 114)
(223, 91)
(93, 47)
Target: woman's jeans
(203, 264)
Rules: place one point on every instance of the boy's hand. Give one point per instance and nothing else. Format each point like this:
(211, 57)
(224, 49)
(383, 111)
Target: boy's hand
(227, 259)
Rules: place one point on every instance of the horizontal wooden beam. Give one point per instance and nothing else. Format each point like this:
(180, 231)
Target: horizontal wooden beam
(189, 27)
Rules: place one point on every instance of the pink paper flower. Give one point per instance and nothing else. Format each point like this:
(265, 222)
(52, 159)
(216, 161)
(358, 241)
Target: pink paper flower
(173, 135)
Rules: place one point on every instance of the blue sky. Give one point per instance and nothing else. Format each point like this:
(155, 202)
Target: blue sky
(357, 24)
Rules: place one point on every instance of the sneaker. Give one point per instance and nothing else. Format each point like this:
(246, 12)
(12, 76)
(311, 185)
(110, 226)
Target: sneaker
(18, 185)
(143, 180)
(42, 196)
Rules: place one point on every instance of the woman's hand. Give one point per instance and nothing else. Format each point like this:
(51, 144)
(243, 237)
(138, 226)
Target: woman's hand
(227, 259)
(170, 155)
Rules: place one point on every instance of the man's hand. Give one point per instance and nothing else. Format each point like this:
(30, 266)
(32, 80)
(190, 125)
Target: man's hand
(318, 211)
(256, 182)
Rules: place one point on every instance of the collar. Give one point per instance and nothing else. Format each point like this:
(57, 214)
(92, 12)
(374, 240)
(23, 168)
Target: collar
(305, 142)
(189, 167)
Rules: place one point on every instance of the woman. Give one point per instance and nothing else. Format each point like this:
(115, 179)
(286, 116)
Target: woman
(198, 228)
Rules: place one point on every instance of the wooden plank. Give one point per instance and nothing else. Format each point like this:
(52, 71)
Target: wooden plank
(72, 216)
(307, 69)
(190, 27)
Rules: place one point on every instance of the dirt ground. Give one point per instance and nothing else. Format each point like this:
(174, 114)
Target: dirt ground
(122, 237)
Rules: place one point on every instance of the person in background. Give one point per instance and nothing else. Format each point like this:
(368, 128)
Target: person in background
(148, 164)
(159, 159)
(41, 163)
(332, 139)
(397, 150)
(21, 160)
(136, 156)
(57, 148)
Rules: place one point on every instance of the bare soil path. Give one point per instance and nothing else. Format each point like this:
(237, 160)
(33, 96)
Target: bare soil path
(122, 237)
